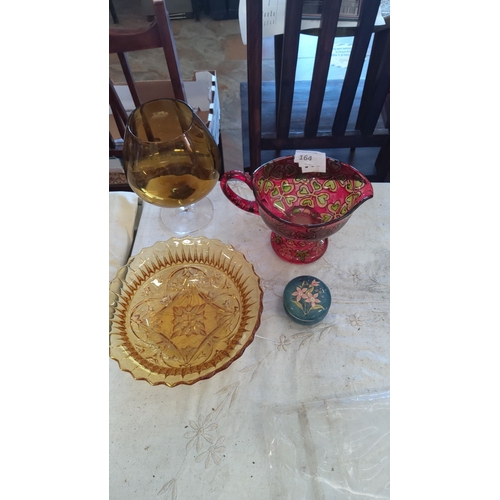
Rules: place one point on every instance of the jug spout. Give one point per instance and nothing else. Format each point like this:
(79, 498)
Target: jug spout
(352, 193)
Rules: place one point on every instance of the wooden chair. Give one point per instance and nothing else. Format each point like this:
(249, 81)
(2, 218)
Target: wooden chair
(325, 115)
(121, 41)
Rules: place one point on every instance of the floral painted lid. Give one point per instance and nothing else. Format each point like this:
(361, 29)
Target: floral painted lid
(306, 300)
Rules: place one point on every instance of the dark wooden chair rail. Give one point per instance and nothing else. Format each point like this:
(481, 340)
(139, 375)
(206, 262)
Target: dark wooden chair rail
(373, 103)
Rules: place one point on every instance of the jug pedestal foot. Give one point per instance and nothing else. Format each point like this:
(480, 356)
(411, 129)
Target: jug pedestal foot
(298, 251)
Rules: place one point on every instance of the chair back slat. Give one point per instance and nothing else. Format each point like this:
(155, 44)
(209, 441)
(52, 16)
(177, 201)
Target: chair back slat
(169, 49)
(129, 78)
(278, 63)
(367, 17)
(326, 37)
(377, 84)
(290, 54)
(254, 75)
(119, 113)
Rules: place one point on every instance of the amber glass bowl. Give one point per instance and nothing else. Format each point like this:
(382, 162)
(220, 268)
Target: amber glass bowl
(183, 310)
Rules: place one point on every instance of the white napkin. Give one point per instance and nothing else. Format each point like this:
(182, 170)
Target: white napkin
(122, 213)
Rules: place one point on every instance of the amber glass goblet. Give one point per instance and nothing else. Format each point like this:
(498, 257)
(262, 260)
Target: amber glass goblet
(171, 160)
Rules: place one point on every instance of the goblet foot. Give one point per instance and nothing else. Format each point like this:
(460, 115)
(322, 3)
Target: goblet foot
(298, 251)
(187, 220)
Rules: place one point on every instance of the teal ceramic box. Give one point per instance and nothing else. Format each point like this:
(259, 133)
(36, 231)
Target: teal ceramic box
(306, 300)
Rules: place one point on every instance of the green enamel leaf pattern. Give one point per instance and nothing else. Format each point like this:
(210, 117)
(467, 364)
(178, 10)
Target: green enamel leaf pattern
(331, 185)
(351, 199)
(334, 207)
(315, 185)
(279, 204)
(322, 200)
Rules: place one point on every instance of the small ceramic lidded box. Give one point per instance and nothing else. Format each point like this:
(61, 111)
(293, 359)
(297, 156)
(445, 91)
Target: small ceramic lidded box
(306, 300)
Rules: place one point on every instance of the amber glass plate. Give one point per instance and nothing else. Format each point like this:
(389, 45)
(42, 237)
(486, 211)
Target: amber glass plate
(183, 310)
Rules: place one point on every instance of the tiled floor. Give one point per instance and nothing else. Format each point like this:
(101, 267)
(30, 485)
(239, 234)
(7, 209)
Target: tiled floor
(207, 45)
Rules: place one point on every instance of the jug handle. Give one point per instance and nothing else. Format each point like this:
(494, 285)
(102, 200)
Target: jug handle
(247, 205)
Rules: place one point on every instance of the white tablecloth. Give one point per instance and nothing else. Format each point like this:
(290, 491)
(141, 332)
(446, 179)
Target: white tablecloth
(223, 438)
(122, 214)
